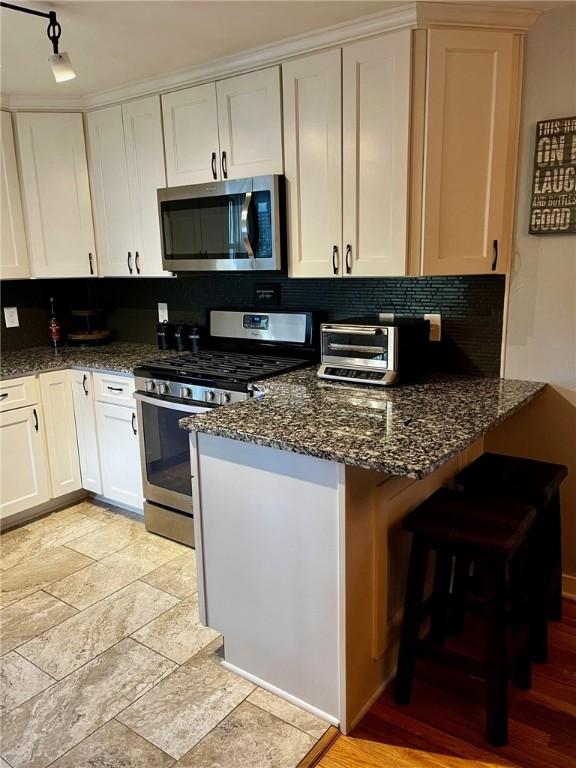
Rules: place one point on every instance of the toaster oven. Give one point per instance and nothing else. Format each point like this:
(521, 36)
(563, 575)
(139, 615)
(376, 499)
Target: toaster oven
(367, 350)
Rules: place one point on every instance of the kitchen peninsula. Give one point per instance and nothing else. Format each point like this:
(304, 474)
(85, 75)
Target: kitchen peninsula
(298, 496)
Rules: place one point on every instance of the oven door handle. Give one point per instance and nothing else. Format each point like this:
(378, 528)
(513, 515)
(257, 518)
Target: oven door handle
(334, 347)
(355, 330)
(170, 404)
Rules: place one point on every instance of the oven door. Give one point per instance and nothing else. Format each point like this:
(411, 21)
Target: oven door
(224, 226)
(357, 346)
(165, 451)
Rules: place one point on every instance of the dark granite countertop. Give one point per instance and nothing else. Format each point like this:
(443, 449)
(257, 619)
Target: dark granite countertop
(118, 357)
(410, 430)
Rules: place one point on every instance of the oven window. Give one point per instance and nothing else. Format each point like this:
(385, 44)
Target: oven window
(211, 227)
(167, 450)
(372, 349)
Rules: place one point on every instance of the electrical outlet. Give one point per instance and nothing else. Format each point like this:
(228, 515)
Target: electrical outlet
(435, 326)
(11, 317)
(162, 312)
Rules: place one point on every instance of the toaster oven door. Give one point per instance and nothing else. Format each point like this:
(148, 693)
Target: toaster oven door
(352, 346)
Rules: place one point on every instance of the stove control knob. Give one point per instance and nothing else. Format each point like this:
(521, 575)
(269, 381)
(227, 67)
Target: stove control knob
(225, 398)
(164, 389)
(150, 386)
(186, 392)
(209, 396)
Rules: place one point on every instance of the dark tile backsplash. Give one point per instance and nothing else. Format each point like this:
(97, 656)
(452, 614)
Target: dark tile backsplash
(471, 306)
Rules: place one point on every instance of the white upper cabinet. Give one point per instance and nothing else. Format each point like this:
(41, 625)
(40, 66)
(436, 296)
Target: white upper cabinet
(13, 251)
(191, 135)
(110, 191)
(470, 149)
(225, 130)
(312, 91)
(146, 174)
(56, 194)
(250, 124)
(127, 168)
(376, 137)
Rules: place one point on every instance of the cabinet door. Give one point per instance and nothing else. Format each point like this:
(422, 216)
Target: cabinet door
(376, 126)
(471, 108)
(56, 195)
(312, 91)
(250, 124)
(24, 479)
(191, 135)
(58, 409)
(85, 416)
(13, 250)
(119, 454)
(146, 174)
(109, 180)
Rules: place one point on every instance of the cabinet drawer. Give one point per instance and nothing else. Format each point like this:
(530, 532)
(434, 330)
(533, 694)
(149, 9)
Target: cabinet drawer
(17, 393)
(109, 388)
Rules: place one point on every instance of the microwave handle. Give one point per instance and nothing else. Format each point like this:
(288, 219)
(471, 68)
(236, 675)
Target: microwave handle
(244, 225)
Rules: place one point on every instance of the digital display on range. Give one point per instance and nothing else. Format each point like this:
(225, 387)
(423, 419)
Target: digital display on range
(256, 322)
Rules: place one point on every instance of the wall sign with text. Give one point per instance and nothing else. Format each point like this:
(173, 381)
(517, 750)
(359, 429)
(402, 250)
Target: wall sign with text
(553, 208)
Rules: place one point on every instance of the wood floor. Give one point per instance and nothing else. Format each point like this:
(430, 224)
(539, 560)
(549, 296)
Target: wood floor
(443, 726)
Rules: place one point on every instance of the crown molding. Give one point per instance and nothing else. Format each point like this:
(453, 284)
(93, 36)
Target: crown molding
(412, 15)
(502, 17)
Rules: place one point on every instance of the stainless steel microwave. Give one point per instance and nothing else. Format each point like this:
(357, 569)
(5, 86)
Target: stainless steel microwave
(224, 225)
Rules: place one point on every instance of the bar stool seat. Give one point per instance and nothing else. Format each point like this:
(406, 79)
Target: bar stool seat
(494, 532)
(536, 483)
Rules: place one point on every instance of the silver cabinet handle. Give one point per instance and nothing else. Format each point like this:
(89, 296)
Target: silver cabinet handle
(115, 389)
(129, 262)
(4, 395)
(35, 419)
(348, 259)
(133, 421)
(84, 387)
(335, 259)
(224, 165)
(244, 225)
(214, 173)
(90, 263)
(137, 262)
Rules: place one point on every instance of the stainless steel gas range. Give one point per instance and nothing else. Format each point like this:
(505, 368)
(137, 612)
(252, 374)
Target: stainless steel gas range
(244, 347)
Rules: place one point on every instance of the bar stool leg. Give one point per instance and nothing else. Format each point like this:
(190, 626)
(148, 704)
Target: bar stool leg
(411, 620)
(440, 597)
(496, 657)
(555, 600)
(522, 609)
(459, 592)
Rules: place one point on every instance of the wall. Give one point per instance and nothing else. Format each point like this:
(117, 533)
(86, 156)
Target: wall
(541, 327)
(471, 307)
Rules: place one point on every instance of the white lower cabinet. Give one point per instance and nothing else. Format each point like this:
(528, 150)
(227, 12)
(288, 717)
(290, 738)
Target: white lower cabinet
(56, 395)
(24, 474)
(85, 414)
(119, 454)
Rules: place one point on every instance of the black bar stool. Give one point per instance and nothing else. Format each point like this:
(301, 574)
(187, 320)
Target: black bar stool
(536, 483)
(456, 526)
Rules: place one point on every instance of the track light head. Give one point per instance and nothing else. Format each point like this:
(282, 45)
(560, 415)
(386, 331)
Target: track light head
(61, 67)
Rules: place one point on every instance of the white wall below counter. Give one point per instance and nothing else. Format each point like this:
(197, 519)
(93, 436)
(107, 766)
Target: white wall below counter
(541, 330)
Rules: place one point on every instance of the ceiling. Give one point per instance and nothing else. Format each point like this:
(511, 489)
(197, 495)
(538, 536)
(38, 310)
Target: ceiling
(112, 43)
(116, 42)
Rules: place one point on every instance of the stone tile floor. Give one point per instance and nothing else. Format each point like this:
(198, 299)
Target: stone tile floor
(104, 663)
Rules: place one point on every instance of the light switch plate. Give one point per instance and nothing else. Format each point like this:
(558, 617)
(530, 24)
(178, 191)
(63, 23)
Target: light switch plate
(162, 312)
(11, 317)
(435, 326)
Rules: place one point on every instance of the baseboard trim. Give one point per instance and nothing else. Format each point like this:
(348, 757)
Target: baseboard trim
(282, 694)
(569, 587)
(26, 515)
